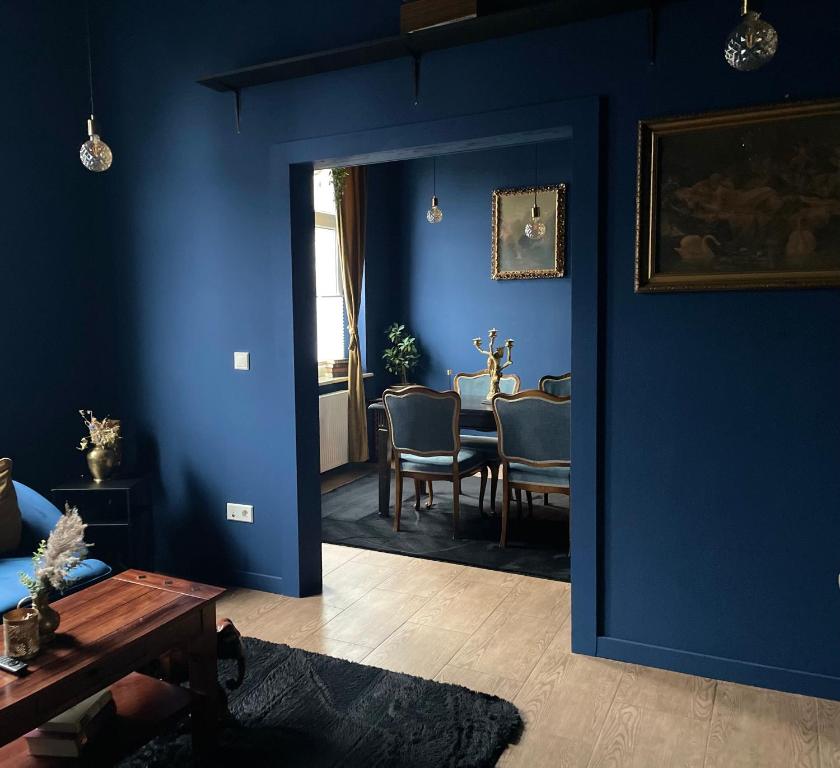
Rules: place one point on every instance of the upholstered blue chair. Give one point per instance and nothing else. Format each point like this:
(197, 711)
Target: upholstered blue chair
(561, 386)
(534, 445)
(427, 446)
(475, 386)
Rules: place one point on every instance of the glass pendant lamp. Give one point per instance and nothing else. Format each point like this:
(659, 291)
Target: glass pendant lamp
(752, 43)
(95, 154)
(535, 228)
(434, 215)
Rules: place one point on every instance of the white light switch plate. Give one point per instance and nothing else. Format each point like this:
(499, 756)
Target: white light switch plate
(240, 513)
(242, 361)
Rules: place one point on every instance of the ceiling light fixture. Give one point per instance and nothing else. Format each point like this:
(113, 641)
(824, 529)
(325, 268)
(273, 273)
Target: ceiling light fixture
(535, 229)
(95, 154)
(434, 215)
(752, 43)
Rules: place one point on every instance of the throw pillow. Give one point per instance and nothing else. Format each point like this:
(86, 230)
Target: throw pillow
(10, 524)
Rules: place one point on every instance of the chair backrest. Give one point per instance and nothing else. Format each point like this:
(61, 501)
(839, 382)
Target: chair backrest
(534, 428)
(477, 384)
(423, 421)
(557, 385)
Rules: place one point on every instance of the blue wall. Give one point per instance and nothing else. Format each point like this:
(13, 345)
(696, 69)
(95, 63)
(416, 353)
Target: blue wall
(448, 294)
(58, 296)
(720, 416)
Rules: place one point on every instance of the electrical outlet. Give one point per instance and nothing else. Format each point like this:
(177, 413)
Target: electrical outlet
(240, 513)
(242, 361)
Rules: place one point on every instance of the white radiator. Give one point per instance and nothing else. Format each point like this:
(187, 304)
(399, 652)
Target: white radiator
(332, 412)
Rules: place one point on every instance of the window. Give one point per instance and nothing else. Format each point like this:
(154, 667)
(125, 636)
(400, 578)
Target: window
(328, 291)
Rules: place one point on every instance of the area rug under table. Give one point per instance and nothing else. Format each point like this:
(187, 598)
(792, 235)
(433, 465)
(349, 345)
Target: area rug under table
(297, 708)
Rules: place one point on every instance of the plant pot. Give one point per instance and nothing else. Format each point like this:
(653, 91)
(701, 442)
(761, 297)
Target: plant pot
(101, 462)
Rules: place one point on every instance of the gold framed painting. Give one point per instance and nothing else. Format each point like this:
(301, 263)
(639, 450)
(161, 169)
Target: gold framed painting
(515, 256)
(740, 200)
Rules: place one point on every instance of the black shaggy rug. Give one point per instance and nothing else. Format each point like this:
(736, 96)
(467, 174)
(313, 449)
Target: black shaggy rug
(297, 708)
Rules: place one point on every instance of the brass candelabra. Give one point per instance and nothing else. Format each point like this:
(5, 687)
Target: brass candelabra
(494, 356)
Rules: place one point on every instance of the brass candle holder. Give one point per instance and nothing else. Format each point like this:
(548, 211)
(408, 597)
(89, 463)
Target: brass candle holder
(494, 356)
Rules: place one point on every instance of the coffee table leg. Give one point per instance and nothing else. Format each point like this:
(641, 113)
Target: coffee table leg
(203, 686)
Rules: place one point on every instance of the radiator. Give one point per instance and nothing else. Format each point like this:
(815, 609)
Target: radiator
(332, 413)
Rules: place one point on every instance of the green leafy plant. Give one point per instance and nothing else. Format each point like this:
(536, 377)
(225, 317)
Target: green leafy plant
(402, 356)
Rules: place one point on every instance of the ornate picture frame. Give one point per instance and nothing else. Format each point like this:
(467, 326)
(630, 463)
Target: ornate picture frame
(513, 255)
(740, 200)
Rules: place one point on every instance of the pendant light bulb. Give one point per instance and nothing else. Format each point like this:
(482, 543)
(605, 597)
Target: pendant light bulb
(752, 43)
(434, 215)
(535, 229)
(95, 154)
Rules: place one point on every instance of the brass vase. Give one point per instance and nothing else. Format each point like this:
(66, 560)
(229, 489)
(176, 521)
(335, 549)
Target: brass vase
(48, 617)
(101, 462)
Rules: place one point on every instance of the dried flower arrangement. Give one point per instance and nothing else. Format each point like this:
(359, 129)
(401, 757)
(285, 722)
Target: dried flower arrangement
(103, 433)
(58, 555)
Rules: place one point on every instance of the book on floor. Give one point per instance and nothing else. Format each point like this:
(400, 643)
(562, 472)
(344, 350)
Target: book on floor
(70, 743)
(76, 718)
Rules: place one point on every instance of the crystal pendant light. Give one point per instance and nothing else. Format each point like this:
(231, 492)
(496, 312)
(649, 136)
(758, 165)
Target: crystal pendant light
(95, 154)
(434, 215)
(752, 43)
(535, 229)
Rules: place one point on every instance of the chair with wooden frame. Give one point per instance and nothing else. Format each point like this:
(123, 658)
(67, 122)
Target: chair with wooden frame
(534, 445)
(475, 385)
(556, 385)
(427, 446)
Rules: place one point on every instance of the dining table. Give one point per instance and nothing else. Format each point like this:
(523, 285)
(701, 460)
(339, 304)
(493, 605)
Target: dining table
(476, 414)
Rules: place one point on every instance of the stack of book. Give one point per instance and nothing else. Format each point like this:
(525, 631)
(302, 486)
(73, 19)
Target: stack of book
(67, 734)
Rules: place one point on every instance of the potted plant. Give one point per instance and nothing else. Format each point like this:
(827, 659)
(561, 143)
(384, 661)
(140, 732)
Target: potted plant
(52, 562)
(402, 356)
(103, 439)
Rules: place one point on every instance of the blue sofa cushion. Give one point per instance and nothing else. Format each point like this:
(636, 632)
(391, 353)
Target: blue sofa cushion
(11, 590)
(467, 459)
(524, 473)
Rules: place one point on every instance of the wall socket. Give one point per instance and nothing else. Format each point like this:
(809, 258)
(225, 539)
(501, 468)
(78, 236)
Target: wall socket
(240, 513)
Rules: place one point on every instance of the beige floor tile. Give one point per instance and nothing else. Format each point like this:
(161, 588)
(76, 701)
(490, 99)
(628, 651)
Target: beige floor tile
(383, 559)
(348, 582)
(293, 620)
(507, 644)
(417, 649)
(495, 578)
(494, 685)
(633, 737)
(758, 728)
(373, 618)
(422, 577)
(317, 643)
(546, 749)
(246, 606)
(332, 556)
(665, 691)
(541, 598)
(828, 713)
(462, 605)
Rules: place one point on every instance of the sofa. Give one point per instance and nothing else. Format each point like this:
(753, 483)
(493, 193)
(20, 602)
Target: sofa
(38, 517)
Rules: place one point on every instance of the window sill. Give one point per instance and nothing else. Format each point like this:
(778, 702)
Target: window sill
(327, 381)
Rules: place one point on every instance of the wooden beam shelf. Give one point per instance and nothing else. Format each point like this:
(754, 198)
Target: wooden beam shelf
(527, 18)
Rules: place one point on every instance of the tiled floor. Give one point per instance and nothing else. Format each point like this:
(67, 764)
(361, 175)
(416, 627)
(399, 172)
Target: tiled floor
(509, 635)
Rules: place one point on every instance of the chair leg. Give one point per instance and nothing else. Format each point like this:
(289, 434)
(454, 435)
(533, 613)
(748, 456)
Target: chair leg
(397, 498)
(456, 505)
(494, 481)
(519, 503)
(431, 500)
(505, 511)
(482, 489)
(417, 495)
(530, 503)
(545, 499)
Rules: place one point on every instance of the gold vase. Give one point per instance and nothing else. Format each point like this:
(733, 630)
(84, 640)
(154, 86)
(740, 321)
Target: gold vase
(101, 462)
(48, 617)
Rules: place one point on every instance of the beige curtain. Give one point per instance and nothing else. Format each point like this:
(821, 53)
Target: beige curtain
(351, 210)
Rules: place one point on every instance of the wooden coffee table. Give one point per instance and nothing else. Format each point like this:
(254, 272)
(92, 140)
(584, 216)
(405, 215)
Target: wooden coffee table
(108, 631)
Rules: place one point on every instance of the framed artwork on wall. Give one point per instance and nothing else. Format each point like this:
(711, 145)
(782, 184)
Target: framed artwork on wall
(514, 256)
(740, 200)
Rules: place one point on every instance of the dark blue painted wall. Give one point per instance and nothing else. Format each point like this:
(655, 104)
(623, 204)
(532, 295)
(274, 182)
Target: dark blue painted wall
(449, 296)
(721, 420)
(58, 294)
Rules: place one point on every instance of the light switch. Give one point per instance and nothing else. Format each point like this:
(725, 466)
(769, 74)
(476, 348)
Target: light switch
(242, 361)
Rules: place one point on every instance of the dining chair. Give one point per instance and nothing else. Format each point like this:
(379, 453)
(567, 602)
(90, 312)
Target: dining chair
(475, 385)
(427, 445)
(556, 385)
(534, 445)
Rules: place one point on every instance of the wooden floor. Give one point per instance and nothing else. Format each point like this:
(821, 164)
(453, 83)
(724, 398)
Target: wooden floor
(509, 635)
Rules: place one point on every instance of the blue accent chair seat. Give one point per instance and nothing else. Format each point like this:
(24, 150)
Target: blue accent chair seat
(39, 517)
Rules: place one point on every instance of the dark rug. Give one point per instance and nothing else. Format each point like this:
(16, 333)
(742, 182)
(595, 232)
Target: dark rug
(303, 709)
(537, 545)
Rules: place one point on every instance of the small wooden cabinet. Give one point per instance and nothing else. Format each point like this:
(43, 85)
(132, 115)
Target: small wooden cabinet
(118, 515)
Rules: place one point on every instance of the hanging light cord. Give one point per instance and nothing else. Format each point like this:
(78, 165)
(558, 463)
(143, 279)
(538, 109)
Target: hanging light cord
(90, 56)
(434, 177)
(536, 170)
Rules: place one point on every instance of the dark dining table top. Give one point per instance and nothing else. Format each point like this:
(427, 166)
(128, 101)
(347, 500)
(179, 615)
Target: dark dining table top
(474, 405)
